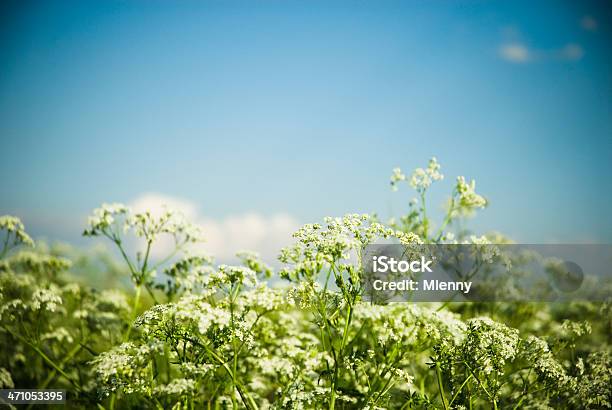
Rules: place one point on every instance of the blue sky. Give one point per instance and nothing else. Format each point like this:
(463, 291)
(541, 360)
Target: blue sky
(302, 109)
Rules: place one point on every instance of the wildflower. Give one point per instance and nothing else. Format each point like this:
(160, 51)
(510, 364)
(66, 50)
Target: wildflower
(468, 199)
(39, 264)
(537, 352)
(177, 387)
(13, 225)
(104, 218)
(489, 345)
(126, 367)
(403, 376)
(304, 294)
(334, 243)
(47, 299)
(193, 370)
(253, 261)
(276, 365)
(231, 275)
(263, 298)
(170, 222)
(396, 177)
(408, 239)
(421, 178)
(592, 385)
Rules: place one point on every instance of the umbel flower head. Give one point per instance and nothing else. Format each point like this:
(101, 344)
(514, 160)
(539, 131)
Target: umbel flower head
(335, 243)
(113, 219)
(463, 202)
(468, 199)
(15, 234)
(421, 178)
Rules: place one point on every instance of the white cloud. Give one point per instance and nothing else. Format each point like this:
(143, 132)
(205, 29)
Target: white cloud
(156, 204)
(514, 52)
(248, 231)
(265, 234)
(519, 53)
(588, 23)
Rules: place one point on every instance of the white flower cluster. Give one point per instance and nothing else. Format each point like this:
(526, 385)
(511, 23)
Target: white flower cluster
(126, 366)
(177, 387)
(193, 370)
(114, 219)
(170, 222)
(39, 264)
(421, 178)
(105, 217)
(230, 275)
(263, 298)
(224, 337)
(276, 365)
(253, 261)
(192, 312)
(468, 199)
(463, 202)
(335, 243)
(592, 384)
(410, 325)
(47, 299)
(15, 233)
(537, 352)
(489, 345)
(397, 176)
(188, 274)
(305, 293)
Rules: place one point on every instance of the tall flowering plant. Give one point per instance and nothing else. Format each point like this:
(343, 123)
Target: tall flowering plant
(191, 333)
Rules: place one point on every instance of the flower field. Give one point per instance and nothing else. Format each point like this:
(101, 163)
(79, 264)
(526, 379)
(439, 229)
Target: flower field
(188, 333)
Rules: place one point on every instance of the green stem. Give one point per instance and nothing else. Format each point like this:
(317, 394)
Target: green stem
(447, 218)
(479, 382)
(441, 386)
(347, 322)
(424, 216)
(235, 358)
(460, 388)
(134, 312)
(115, 238)
(5, 248)
(244, 395)
(152, 294)
(383, 391)
(145, 261)
(45, 358)
(69, 356)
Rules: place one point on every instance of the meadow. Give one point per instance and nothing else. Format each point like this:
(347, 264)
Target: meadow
(192, 334)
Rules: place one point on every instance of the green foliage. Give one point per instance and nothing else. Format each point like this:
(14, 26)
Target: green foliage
(219, 336)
